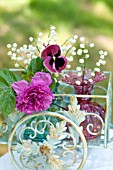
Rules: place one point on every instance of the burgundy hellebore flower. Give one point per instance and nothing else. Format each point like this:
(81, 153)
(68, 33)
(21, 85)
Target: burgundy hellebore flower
(36, 96)
(53, 60)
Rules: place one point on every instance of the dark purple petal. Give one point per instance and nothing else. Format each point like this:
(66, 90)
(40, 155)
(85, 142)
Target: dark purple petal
(60, 63)
(55, 66)
(42, 76)
(50, 64)
(57, 54)
(51, 61)
(20, 86)
(51, 50)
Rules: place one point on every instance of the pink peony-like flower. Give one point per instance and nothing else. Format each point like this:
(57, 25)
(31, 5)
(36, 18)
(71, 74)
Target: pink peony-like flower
(42, 76)
(53, 60)
(33, 97)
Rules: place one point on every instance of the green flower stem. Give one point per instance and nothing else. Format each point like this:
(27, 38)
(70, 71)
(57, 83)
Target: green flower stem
(68, 51)
(84, 70)
(35, 43)
(58, 106)
(66, 40)
(22, 66)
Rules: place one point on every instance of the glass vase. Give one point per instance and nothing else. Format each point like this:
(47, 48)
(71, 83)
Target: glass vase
(90, 107)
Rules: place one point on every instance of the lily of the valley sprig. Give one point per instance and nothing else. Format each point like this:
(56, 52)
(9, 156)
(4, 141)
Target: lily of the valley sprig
(54, 55)
(84, 74)
(83, 53)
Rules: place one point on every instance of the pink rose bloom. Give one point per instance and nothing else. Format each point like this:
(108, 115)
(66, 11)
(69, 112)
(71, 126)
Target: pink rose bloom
(42, 76)
(36, 96)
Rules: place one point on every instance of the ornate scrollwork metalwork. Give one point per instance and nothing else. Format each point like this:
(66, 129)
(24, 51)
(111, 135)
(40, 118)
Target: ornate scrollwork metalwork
(92, 125)
(78, 116)
(3, 128)
(57, 146)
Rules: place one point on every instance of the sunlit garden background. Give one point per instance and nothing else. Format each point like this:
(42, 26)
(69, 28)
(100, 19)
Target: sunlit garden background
(21, 19)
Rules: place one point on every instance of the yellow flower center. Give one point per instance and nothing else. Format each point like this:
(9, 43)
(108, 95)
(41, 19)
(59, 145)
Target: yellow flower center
(45, 150)
(54, 58)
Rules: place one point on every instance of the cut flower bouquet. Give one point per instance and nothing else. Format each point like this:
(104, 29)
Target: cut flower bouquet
(42, 64)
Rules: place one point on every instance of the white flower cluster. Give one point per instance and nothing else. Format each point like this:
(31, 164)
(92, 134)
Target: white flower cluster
(101, 61)
(68, 48)
(51, 39)
(52, 35)
(84, 53)
(23, 55)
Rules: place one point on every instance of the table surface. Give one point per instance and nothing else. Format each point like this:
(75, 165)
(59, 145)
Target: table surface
(97, 159)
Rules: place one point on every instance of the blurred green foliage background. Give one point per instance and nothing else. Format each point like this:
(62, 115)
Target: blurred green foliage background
(90, 18)
(20, 19)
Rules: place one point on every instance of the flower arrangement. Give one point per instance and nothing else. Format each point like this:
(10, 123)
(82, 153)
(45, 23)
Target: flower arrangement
(44, 65)
(41, 63)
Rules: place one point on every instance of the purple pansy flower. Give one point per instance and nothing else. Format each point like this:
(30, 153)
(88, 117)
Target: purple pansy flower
(33, 97)
(53, 60)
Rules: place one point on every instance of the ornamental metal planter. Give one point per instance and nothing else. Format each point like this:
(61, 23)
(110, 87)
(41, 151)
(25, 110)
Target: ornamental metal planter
(61, 133)
(102, 97)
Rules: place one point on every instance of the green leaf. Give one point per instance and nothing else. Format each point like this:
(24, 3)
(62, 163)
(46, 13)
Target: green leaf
(27, 76)
(8, 102)
(3, 83)
(9, 76)
(18, 78)
(35, 65)
(52, 85)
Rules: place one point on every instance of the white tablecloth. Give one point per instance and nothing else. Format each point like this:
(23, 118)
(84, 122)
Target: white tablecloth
(97, 159)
